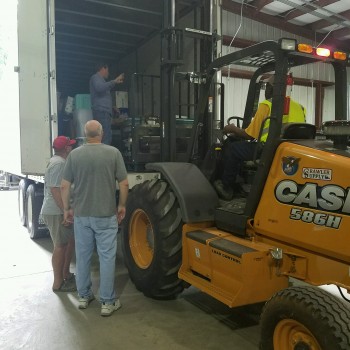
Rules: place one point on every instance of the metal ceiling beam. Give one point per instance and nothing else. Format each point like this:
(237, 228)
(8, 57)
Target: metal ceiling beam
(332, 17)
(291, 14)
(345, 16)
(274, 21)
(89, 37)
(105, 18)
(250, 12)
(129, 8)
(99, 29)
(260, 4)
(341, 33)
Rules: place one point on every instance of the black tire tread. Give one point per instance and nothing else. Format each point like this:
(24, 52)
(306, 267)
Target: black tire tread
(35, 229)
(161, 281)
(22, 199)
(322, 307)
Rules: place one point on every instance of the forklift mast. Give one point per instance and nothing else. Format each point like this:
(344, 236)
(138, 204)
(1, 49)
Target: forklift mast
(172, 57)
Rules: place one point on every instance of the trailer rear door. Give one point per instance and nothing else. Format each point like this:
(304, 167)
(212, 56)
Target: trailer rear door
(36, 84)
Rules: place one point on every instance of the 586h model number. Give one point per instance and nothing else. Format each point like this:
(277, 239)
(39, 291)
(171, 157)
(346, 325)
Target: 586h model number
(320, 219)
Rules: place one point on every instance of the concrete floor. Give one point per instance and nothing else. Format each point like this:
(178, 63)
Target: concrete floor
(33, 317)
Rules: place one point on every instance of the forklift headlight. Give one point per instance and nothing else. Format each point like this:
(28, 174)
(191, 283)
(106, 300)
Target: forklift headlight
(288, 44)
(336, 128)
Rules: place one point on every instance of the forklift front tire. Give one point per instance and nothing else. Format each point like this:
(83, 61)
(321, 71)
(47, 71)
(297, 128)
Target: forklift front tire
(151, 240)
(305, 318)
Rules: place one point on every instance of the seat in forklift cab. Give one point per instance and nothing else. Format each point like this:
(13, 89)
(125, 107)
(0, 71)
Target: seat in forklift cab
(298, 131)
(290, 131)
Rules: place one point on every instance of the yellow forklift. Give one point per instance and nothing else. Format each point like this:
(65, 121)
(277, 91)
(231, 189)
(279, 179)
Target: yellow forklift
(294, 223)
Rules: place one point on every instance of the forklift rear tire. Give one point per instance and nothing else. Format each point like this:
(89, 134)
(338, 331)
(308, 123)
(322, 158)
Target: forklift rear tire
(305, 318)
(22, 201)
(36, 228)
(151, 240)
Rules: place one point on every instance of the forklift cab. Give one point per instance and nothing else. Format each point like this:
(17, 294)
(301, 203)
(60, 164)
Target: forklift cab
(269, 57)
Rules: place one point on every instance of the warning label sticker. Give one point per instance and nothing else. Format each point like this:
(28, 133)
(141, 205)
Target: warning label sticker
(317, 174)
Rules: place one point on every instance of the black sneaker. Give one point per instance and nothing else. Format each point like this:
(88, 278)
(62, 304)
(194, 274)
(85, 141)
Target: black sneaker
(225, 193)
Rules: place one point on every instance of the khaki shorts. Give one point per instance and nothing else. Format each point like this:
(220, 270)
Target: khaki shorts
(60, 234)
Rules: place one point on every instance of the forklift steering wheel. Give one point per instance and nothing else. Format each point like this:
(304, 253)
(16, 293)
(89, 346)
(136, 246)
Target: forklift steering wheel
(239, 122)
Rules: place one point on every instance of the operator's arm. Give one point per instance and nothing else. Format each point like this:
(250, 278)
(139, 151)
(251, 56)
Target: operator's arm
(123, 195)
(236, 131)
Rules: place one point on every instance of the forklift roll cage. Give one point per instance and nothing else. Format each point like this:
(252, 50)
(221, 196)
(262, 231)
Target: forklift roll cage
(266, 57)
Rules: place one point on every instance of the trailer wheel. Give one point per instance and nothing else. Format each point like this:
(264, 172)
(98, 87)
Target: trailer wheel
(151, 240)
(305, 318)
(22, 201)
(36, 228)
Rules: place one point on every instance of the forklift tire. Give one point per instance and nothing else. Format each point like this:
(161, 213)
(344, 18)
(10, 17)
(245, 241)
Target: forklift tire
(36, 228)
(305, 318)
(22, 201)
(152, 240)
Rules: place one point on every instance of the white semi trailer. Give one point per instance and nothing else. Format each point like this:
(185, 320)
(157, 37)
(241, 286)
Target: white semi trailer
(28, 108)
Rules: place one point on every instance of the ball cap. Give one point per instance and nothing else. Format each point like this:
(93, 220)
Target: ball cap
(61, 142)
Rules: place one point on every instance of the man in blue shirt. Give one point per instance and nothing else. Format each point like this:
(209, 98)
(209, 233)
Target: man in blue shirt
(101, 99)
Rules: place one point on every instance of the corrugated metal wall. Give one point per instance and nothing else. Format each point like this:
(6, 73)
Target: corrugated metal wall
(236, 96)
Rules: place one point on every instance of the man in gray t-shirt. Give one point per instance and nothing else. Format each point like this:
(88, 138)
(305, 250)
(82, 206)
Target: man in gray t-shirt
(101, 99)
(94, 168)
(52, 215)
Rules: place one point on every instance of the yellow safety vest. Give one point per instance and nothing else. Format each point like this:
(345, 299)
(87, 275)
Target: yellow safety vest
(296, 115)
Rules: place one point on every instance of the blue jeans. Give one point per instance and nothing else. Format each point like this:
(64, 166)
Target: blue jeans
(103, 230)
(238, 152)
(105, 119)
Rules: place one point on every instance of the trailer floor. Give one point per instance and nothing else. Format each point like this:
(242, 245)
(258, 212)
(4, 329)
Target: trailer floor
(33, 317)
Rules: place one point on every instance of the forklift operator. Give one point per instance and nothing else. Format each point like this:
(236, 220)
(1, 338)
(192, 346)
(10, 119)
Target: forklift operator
(241, 151)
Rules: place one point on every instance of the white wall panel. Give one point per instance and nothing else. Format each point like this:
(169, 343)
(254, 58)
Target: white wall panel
(328, 105)
(236, 96)
(306, 96)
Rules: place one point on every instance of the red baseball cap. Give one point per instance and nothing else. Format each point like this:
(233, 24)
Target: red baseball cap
(61, 142)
